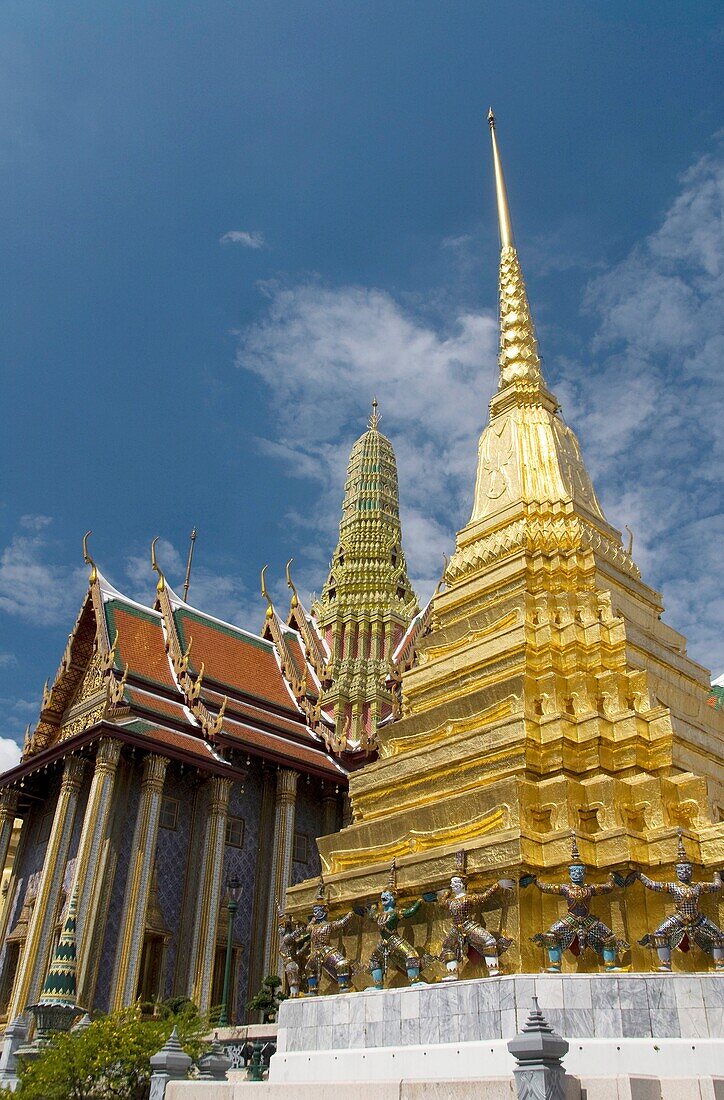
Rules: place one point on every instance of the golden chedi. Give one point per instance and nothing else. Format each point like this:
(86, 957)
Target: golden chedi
(541, 694)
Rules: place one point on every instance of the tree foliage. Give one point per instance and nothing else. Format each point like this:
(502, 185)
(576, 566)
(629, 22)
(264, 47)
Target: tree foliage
(110, 1060)
(268, 999)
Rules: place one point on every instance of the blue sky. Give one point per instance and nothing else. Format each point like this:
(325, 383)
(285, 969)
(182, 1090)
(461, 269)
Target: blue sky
(224, 226)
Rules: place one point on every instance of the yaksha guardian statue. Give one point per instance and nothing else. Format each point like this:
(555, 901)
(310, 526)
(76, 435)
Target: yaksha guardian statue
(323, 957)
(293, 943)
(579, 928)
(687, 922)
(392, 949)
(467, 930)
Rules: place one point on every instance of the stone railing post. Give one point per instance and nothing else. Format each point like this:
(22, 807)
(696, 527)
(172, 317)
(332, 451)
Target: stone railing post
(538, 1051)
(171, 1063)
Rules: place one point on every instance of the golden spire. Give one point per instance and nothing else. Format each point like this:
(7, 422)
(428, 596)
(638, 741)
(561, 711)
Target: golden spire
(519, 360)
(374, 419)
(504, 227)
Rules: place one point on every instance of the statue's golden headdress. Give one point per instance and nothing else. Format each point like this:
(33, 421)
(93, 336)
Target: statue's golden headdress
(681, 856)
(576, 860)
(461, 865)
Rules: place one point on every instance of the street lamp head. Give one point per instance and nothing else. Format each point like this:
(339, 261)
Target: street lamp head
(233, 888)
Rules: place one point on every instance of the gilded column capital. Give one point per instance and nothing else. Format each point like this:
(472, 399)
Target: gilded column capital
(73, 772)
(108, 754)
(154, 772)
(9, 797)
(219, 791)
(286, 793)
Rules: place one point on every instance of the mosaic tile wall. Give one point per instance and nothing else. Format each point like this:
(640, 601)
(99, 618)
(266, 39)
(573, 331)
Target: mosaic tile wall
(171, 860)
(32, 853)
(242, 862)
(308, 822)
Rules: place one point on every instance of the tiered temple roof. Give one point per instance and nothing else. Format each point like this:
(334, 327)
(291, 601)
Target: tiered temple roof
(175, 680)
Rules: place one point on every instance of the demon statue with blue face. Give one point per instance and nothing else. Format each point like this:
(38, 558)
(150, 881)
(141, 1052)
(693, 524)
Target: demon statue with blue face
(687, 922)
(392, 949)
(323, 957)
(579, 928)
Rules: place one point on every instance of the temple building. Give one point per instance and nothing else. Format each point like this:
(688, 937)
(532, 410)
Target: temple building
(174, 752)
(540, 695)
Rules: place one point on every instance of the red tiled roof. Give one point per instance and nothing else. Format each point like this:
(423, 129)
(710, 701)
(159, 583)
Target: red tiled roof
(168, 708)
(140, 642)
(279, 746)
(245, 663)
(249, 712)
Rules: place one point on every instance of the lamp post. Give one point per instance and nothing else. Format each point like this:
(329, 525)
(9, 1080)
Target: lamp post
(233, 893)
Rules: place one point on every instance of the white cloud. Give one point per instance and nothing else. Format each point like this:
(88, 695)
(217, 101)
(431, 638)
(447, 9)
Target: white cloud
(246, 238)
(8, 660)
(9, 754)
(649, 409)
(17, 715)
(32, 586)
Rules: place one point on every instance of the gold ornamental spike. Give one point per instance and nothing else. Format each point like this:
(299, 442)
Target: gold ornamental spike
(88, 559)
(161, 583)
(290, 583)
(504, 226)
(374, 419)
(265, 594)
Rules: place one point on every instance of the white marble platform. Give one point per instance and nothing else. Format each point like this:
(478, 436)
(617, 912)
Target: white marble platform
(617, 1024)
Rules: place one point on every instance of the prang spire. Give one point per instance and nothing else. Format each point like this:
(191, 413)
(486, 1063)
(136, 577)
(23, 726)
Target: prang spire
(519, 360)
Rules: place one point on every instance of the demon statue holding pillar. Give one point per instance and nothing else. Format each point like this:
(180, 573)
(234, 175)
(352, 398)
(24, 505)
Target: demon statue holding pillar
(468, 928)
(323, 957)
(579, 928)
(687, 922)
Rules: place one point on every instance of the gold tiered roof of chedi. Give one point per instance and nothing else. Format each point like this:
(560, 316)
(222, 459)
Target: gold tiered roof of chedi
(540, 692)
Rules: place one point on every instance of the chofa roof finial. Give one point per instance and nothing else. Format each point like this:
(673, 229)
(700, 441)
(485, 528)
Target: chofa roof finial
(161, 583)
(89, 560)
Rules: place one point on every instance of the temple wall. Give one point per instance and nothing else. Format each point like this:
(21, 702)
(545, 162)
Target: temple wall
(308, 823)
(172, 854)
(243, 862)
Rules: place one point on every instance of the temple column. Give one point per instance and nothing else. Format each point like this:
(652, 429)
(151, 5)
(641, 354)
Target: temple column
(89, 861)
(203, 948)
(31, 968)
(329, 812)
(281, 864)
(9, 797)
(138, 885)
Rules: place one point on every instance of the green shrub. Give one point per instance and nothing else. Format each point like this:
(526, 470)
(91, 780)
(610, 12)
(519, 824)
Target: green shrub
(110, 1060)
